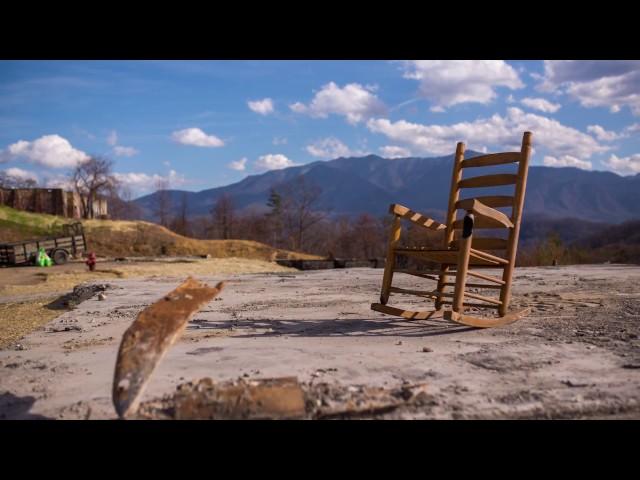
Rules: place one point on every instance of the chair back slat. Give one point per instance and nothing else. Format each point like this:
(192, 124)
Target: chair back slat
(494, 201)
(489, 181)
(492, 159)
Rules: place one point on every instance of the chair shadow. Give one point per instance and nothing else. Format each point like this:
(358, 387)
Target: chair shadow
(336, 327)
(13, 407)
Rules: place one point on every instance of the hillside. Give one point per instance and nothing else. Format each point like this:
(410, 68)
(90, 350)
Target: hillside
(617, 243)
(570, 230)
(369, 184)
(133, 238)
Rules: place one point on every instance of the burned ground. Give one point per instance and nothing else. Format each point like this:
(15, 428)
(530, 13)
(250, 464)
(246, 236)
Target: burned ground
(575, 356)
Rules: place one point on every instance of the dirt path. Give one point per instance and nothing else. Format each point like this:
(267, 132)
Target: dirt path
(577, 355)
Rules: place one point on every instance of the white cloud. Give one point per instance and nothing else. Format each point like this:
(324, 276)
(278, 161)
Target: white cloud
(112, 139)
(393, 151)
(121, 151)
(567, 161)
(632, 128)
(501, 132)
(133, 179)
(175, 178)
(353, 101)
(20, 174)
(511, 99)
(602, 134)
(196, 137)
(279, 141)
(146, 182)
(298, 107)
(331, 147)
(541, 104)
(51, 151)
(58, 181)
(263, 107)
(624, 165)
(275, 161)
(239, 165)
(450, 82)
(595, 83)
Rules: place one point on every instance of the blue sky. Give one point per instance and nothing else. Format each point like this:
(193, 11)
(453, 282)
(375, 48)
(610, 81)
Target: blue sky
(202, 124)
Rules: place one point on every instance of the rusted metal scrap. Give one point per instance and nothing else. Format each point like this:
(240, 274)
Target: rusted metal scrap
(279, 398)
(149, 337)
(242, 399)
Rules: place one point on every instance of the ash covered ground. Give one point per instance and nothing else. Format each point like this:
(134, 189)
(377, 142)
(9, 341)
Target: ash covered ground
(577, 355)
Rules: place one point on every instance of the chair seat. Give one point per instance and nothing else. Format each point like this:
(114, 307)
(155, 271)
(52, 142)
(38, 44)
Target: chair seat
(446, 257)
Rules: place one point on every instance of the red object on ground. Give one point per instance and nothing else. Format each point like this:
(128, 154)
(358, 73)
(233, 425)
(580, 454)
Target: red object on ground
(91, 261)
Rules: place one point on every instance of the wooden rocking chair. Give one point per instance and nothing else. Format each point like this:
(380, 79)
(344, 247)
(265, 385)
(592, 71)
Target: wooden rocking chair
(467, 250)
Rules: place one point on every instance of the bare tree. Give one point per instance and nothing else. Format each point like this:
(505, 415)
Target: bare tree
(223, 213)
(181, 222)
(121, 205)
(200, 226)
(299, 206)
(92, 179)
(133, 210)
(341, 238)
(274, 217)
(252, 225)
(163, 204)
(368, 236)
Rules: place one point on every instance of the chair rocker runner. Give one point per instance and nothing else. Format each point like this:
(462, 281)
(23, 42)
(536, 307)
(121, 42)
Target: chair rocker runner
(463, 255)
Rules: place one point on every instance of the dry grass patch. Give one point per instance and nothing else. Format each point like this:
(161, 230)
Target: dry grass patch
(20, 318)
(65, 281)
(125, 238)
(120, 238)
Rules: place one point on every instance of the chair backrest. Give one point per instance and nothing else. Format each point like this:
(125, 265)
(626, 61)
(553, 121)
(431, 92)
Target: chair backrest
(469, 169)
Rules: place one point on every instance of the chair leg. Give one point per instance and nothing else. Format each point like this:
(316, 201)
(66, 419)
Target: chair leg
(505, 291)
(390, 263)
(440, 289)
(461, 273)
(504, 298)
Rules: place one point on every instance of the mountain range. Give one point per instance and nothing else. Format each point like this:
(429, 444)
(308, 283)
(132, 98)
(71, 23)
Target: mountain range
(369, 184)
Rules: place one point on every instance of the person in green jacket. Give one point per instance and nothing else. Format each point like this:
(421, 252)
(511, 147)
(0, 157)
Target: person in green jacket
(43, 260)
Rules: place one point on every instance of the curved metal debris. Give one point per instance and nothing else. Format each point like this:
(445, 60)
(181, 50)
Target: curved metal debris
(281, 398)
(149, 337)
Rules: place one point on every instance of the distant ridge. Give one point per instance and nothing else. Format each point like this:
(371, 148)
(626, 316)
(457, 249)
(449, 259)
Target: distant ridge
(369, 184)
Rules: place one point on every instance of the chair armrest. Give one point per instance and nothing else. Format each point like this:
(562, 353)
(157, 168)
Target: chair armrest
(479, 209)
(415, 217)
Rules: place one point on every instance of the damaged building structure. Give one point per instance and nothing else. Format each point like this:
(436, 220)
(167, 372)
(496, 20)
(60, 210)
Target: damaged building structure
(53, 201)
